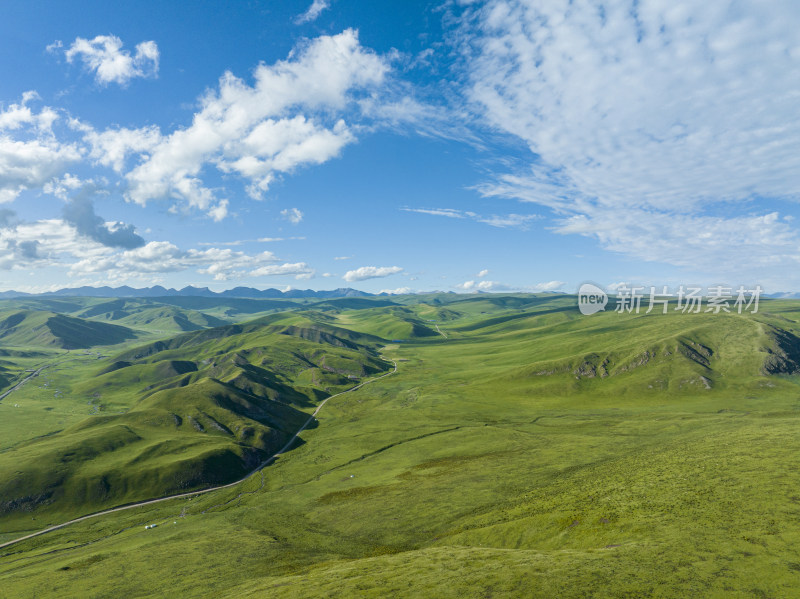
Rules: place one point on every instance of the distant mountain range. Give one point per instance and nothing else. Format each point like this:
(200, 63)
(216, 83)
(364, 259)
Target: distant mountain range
(159, 291)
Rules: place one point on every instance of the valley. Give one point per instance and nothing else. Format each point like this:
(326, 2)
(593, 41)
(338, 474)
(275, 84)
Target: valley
(519, 448)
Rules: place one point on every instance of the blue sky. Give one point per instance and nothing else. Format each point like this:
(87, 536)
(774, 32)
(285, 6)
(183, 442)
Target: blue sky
(408, 146)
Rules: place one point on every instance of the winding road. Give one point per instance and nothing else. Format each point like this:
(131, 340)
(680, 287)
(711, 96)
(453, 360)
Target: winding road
(202, 491)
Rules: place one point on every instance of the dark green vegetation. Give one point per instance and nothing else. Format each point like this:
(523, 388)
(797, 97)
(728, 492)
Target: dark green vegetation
(48, 329)
(532, 452)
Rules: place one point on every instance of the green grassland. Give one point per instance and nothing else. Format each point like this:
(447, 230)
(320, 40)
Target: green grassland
(533, 452)
(167, 423)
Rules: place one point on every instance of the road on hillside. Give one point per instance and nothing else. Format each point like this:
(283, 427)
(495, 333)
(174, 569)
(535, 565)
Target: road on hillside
(202, 491)
(23, 381)
(29, 377)
(440, 331)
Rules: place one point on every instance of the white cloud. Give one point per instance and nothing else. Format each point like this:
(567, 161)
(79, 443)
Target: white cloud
(242, 241)
(27, 164)
(30, 154)
(395, 107)
(475, 286)
(279, 146)
(113, 146)
(220, 211)
(58, 243)
(509, 220)
(549, 286)
(251, 131)
(54, 47)
(343, 257)
(20, 115)
(317, 6)
(273, 239)
(61, 187)
(763, 243)
(398, 291)
(647, 121)
(165, 257)
(110, 63)
(44, 243)
(299, 269)
(448, 212)
(482, 273)
(293, 215)
(31, 164)
(220, 243)
(370, 272)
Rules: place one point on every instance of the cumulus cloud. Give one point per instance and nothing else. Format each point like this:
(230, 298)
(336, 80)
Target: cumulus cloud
(219, 211)
(166, 257)
(103, 255)
(649, 118)
(293, 215)
(482, 273)
(61, 187)
(113, 146)
(110, 63)
(485, 285)
(475, 286)
(43, 243)
(31, 164)
(398, 291)
(19, 115)
(30, 155)
(299, 269)
(313, 11)
(282, 121)
(370, 272)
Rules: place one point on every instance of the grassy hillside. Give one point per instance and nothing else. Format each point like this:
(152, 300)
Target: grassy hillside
(228, 308)
(27, 328)
(162, 316)
(192, 411)
(533, 452)
(388, 323)
(143, 314)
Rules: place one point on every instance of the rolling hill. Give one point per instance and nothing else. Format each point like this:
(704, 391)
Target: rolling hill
(145, 315)
(532, 452)
(203, 408)
(47, 329)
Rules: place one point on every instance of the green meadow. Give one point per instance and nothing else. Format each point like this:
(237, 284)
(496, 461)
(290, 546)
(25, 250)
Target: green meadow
(520, 449)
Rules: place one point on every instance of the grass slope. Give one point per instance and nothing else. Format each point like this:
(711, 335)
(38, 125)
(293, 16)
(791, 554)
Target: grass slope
(144, 314)
(196, 410)
(533, 452)
(47, 329)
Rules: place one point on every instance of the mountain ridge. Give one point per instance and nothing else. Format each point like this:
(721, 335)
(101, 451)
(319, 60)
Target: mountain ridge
(188, 291)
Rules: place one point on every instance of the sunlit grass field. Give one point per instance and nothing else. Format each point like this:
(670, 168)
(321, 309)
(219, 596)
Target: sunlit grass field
(531, 453)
